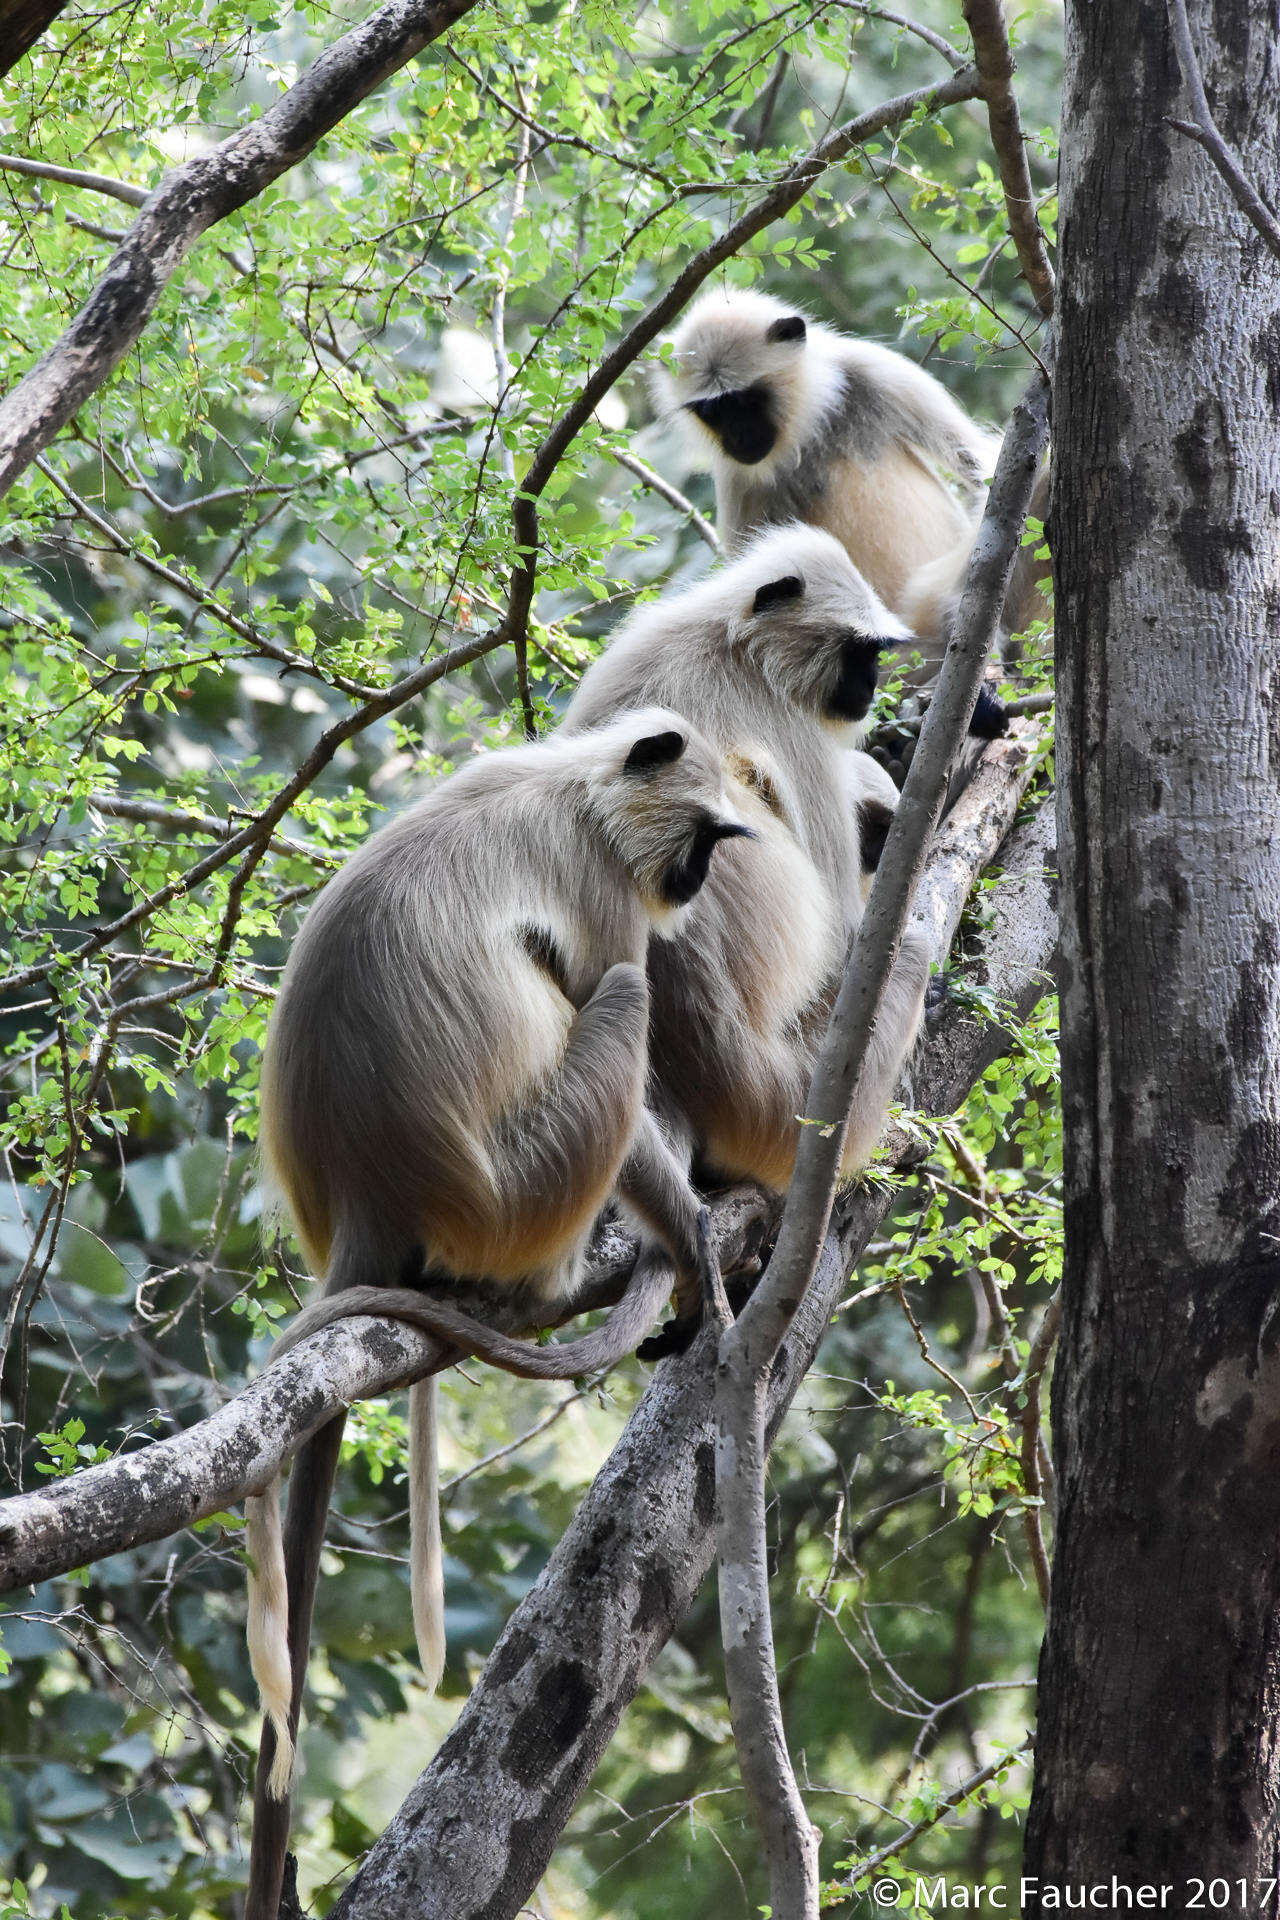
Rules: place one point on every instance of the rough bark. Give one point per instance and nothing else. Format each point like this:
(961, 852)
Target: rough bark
(1157, 1757)
(474, 1836)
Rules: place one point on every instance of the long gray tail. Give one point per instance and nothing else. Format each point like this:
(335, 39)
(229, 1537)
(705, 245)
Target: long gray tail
(426, 1560)
(620, 1335)
(306, 1518)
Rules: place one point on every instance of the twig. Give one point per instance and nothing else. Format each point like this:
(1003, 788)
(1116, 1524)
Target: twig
(259, 829)
(947, 1804)
(749, 1348)
(69, 177)
(297, 662)
(502, 367)
(994, 56)
(1204, 131)
(673, 496)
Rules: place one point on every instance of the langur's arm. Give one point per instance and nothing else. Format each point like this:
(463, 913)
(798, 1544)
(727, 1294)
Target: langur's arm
(560, 1152)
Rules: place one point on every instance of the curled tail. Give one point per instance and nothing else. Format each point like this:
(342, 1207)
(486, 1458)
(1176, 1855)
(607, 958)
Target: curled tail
(633, 1316)
(426, 1563)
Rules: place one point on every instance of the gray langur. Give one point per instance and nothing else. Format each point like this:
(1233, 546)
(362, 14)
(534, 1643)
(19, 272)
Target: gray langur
(777, 655)
(797, 421)
(454, 1084)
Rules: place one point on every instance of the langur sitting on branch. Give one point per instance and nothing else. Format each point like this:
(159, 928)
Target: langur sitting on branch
(797, 421)
(453, 1086)
(777, 654)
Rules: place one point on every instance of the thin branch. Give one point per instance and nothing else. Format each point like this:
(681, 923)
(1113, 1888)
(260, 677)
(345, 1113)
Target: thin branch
(749, 1348)
(673, 497)
(502, 368)
(996, 67)
(259, 830)
(153, 813)
(1204, 131)
(69, 177)
(947, 1804)
(193, 198)
(193, 590)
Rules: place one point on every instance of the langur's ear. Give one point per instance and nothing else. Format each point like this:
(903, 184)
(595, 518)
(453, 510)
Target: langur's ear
(655, 750)
(776, 591)
(790, 327)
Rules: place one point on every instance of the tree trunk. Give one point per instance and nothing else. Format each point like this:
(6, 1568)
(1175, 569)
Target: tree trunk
(1157, 1755)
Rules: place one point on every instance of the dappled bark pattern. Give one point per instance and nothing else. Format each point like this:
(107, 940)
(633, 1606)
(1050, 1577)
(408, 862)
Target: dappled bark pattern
(1161, 1671)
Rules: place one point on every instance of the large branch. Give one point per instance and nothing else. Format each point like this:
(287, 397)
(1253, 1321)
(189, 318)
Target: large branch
(474, 1836)
(192, 199)
(164, 1487)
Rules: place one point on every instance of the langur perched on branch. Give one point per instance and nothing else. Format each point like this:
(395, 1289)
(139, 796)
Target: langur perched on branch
(797, 421)
(454, 1085)
(777, 654)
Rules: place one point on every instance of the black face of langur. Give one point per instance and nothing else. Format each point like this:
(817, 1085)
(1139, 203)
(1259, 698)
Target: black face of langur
(684, 876)
(745, 419)
(848, 696)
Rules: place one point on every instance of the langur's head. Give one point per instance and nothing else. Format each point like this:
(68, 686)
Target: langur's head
(810, 625)
(658, 789)
(752, 377)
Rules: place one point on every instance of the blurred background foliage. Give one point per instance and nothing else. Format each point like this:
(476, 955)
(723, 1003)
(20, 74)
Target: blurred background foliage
(296, 488)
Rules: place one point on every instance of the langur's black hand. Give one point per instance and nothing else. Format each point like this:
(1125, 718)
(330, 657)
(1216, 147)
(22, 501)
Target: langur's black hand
(673, 1337)
(989, 720)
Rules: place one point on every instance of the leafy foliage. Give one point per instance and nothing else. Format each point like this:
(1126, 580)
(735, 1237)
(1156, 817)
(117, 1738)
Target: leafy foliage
(297, 490)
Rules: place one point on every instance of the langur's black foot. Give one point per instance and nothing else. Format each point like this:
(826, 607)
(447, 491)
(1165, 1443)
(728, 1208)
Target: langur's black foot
(935, 997)
(989, 720)
(672, 1337)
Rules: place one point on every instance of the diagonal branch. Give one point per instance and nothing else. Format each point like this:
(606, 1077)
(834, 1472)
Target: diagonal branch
(194, 198)
(996, 67)
(750, 1346)
(1203, 129)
